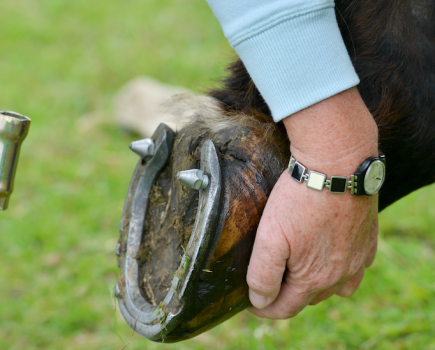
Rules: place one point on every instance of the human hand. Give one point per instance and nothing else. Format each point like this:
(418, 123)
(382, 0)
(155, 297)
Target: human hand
(311, 245)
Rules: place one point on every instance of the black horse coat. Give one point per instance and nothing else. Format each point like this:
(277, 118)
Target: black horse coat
(392, 46)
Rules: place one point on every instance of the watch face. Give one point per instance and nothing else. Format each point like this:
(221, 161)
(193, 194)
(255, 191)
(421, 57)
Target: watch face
(374, 178)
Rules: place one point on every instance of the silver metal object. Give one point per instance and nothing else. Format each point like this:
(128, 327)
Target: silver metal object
(147, 320)
(316, 180)
(193, 179)
(118, 249)
(291, 164)
(143, 148)
(118, 293)
(352, 184)
(13, 130)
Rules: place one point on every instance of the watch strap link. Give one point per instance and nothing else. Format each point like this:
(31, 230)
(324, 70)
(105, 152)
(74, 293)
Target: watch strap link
(317, 181)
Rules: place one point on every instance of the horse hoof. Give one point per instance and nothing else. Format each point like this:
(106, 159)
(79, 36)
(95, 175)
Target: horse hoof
(185, 242)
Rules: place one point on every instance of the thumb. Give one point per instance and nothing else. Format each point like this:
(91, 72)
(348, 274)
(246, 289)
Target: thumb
(268, 262)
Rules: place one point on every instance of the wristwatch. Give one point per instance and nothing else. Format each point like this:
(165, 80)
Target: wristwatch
(367, 180)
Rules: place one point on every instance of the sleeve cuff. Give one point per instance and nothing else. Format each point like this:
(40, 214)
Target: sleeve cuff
(296, 59)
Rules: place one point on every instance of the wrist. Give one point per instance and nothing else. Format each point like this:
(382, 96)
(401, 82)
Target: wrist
(334, 135)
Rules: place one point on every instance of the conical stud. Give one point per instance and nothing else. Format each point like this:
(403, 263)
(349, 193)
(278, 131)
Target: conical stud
(143, 148)
(193, 179)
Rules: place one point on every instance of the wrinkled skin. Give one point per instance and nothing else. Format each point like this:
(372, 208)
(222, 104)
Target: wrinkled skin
(311, 245)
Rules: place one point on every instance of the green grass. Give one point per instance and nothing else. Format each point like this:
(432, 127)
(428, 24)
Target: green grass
(61, 64)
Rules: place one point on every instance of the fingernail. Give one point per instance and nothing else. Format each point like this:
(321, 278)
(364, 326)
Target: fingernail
(259, 301)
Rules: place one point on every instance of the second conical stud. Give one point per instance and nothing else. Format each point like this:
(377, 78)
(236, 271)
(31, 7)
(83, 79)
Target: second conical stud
(193, 179)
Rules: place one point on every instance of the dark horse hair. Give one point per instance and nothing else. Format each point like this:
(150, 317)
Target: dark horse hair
(392, 46)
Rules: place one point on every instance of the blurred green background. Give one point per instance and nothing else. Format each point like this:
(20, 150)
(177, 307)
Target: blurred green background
(61, 64)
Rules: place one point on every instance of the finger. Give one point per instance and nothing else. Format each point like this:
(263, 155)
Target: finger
(325, 294)
(351, 285)
(373, 244)
(267, 264)
(290, 301)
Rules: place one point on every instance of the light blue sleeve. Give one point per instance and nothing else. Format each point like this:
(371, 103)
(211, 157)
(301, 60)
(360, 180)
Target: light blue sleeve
(292, 49)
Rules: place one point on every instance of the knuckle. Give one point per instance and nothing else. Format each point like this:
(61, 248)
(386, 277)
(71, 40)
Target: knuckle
(330, 280)
(321, 285)
(326, 282)
(282, 314)
(260, 287)
(314, 284)
(354, 268)
(343, 273)
(345, 276)
(346, 292)
(348, 289)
